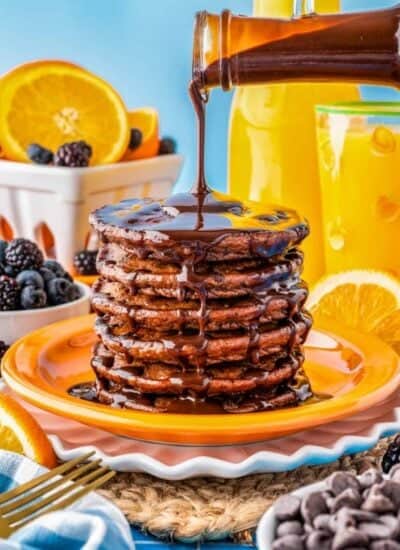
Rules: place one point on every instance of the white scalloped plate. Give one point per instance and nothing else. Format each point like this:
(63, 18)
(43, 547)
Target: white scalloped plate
(316, 446)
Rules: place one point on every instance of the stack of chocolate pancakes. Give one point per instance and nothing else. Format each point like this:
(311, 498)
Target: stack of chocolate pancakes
(200, 306)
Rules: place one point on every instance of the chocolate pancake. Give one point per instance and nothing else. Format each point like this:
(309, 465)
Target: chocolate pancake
(218, 279)
(215, 229)
(269, 399)
(209, 348)
(222, 379)
(129, 311)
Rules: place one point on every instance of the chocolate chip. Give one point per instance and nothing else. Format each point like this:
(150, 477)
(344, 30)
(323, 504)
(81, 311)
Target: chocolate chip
(319, 540)
(385, 545)
(340, 481)
(349, 538)
(342, 520)
(312, 506)
(375, 530)
(290, 528)
(289, 542)
(391, 489)
(377, 502)
(287, 507)
(348, 498)
(322, 522)
(370, 477)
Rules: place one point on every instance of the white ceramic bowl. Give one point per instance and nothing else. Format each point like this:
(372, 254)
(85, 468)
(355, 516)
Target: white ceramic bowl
(15, 324)
(267, 526)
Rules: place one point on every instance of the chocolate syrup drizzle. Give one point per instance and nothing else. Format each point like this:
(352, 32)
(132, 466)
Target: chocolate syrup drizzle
(197, 222)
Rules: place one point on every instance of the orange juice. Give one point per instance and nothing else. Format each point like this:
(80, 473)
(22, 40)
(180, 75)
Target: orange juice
(272, 149)
(359, 148)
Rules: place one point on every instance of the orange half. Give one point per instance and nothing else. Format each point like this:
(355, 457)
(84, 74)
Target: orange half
(54, 102)
(145, 120)
(349, 373)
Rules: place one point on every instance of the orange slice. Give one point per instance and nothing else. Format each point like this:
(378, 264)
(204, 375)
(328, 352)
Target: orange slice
(55, 102)
(368, 301)
(20, 433)
(146, 120)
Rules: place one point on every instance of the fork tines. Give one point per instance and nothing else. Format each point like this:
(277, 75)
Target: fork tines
(50, 492)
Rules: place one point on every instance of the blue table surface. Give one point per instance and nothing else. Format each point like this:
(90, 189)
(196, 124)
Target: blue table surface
(148, 542)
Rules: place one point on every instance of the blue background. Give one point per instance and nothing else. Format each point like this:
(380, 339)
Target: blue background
(143, 47)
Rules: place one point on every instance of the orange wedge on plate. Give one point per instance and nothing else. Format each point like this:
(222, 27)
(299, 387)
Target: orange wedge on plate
(55, 102)
(145, 120)
(368, 301)
(20, 433)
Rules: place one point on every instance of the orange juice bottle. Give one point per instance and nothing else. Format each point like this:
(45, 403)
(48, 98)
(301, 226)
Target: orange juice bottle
(272, 147)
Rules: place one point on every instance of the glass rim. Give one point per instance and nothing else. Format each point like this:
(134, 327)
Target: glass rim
(388, 108)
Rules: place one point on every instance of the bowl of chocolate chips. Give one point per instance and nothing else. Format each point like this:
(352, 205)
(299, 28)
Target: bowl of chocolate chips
(341, 513)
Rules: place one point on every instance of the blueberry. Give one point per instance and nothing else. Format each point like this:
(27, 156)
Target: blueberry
(59, 291)
(29, 277)
(47, 275)
(33, 297)
(57, 269)
(167, 146)
(39, 154)
(3, 246)
(135, 139)
(74, 293)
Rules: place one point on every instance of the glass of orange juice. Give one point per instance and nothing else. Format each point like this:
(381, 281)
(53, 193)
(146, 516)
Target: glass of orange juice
(359, 163)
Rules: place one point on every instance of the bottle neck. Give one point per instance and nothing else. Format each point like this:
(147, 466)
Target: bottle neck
(234, 50)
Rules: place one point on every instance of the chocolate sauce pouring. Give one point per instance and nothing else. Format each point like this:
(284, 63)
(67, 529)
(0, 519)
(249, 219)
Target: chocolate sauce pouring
(199, 99)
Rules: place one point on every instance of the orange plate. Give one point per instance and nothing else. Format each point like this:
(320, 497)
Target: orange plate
(357, 371)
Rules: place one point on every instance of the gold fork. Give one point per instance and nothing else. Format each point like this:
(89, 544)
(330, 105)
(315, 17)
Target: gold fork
(20, 505)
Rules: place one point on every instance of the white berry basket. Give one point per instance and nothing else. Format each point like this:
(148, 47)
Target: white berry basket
(51, 205)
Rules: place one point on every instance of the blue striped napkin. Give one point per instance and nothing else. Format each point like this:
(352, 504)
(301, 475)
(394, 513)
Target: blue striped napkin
(93, 523)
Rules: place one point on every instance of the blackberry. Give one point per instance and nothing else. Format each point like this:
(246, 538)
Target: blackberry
(3, 349)
(39, 154)
(391, 456)
(73, 154)
(9, 293)
(85, 262)
(22, 254)
(167, 146)
(136, 138)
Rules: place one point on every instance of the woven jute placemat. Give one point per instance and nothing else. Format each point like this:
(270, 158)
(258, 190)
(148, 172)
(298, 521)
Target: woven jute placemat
(210, 508)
